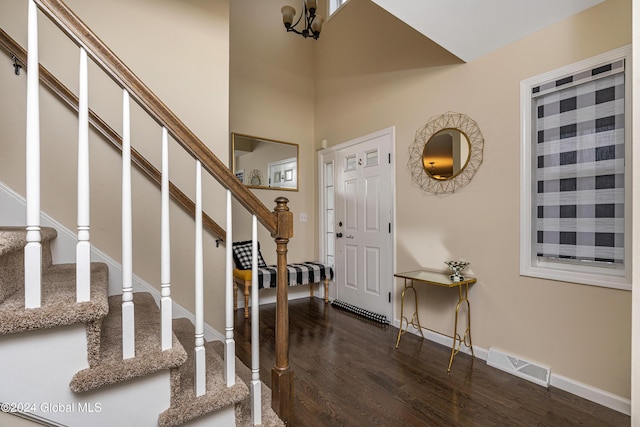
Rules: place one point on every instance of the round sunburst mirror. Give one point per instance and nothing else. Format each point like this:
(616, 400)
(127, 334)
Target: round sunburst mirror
(446, 153)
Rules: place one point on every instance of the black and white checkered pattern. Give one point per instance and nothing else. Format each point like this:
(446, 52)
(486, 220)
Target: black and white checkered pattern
(376, 317)
(299, 274)
(242, 255)
(580, 151)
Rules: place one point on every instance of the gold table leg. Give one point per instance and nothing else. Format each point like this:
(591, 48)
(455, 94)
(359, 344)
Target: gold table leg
(415, 320)
(466, 338)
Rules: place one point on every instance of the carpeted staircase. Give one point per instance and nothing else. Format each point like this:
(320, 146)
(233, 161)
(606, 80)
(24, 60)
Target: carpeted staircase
(102, 319)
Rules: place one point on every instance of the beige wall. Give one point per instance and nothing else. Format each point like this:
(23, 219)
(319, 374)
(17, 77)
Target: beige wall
(272, 96)
(180, 49)
(581, 332)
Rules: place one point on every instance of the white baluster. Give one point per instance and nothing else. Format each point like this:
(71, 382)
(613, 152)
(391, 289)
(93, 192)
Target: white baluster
(165, 272)
(128, 324)
(200, 374)
(83, 247)
(256, 390)
(229, 342)
(33, 248)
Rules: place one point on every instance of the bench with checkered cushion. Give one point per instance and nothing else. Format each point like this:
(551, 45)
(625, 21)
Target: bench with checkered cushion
(306, 273)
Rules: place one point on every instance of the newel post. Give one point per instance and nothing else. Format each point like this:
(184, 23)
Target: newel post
(281, 375)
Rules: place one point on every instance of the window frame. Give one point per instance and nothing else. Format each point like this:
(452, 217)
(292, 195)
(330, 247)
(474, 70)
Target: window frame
(334, 6)
(531, 265)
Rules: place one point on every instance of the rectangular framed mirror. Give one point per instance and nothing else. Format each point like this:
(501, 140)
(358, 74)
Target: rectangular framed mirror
(264, 163)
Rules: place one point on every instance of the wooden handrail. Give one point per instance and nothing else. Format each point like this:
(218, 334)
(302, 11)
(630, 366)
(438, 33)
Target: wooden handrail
(106, 59)
(71, 100)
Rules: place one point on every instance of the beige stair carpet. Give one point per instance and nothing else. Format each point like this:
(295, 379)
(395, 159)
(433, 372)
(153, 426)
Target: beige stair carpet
(58, 301)
(185, 406)
(109, 367)
(243, 409)
(12, 243)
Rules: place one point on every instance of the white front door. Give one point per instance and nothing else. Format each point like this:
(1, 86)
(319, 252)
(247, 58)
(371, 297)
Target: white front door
(363, 202)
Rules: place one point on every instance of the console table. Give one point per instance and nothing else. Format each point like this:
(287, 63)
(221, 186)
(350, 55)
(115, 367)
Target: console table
(442, 279)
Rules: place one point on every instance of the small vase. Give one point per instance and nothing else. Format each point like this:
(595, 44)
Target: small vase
(457, 267)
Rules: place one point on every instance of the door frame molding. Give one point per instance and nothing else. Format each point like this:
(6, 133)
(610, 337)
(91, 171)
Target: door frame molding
(327, 155)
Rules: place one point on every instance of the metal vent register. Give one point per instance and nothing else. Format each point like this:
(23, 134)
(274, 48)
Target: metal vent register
(521, 368)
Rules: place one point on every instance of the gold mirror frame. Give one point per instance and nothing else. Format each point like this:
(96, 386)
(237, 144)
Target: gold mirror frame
(465, 125)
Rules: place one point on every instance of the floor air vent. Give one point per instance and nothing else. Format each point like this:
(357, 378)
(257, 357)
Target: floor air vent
(518, 367)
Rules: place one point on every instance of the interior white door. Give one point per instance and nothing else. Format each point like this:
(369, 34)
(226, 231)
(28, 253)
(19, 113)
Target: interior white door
(363, 203)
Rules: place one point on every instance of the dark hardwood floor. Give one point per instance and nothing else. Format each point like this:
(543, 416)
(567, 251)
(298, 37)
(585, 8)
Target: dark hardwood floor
(348, 373)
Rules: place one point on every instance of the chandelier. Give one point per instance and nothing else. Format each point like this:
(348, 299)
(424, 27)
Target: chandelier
(312, 22)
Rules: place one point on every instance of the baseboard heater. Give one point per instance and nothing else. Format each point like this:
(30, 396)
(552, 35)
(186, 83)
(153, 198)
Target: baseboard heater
(521, 368)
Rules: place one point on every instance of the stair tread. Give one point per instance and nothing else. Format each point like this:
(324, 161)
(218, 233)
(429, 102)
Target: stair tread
(185, 406)
(58, 306)
(110, 368)
(243, 409)
(15, 238)
(12, 243)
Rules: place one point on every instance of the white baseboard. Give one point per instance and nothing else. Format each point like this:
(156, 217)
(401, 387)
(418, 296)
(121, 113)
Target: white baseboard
(479, 352)
(586, 391)
(591, 393)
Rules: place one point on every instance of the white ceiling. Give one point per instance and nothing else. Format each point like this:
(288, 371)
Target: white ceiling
(472, 28)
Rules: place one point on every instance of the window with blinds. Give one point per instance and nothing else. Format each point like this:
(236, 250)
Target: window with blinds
(579, 130)
(576, 183)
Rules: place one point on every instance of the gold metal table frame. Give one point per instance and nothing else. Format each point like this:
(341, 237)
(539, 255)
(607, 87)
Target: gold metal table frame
(437, 279)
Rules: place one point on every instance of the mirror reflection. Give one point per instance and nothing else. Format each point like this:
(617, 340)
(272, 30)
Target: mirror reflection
(264, 163)
(446, 154)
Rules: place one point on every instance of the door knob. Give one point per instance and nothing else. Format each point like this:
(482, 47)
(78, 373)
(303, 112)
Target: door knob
(339, 235)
